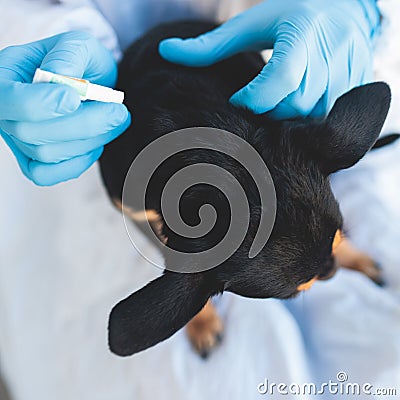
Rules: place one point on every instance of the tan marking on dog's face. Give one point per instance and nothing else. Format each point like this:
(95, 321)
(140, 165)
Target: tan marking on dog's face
(117, 203)
(306, 285)
(337, 240)
(139, 217)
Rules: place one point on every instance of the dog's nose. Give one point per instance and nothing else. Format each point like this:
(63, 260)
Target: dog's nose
(330, 274)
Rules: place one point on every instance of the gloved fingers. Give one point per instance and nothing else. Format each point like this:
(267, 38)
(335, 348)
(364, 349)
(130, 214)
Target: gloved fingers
(238, 34)
(352, 67)
(80, 55)
(90, 120)
(302, 101)
(75, 53)
(28, 102)
(360, 61)
(43, 174)
(280, 77)
(42, 101)
(61, 151)
(50, 174)
(18, 63)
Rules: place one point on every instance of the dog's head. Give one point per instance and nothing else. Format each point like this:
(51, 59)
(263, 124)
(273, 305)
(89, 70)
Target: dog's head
(300, 156)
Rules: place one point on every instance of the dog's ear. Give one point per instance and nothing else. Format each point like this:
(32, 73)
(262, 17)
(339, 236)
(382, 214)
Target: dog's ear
(156, 312)
(352, 127)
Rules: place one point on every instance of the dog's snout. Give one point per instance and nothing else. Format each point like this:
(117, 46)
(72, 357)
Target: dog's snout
(330, 273)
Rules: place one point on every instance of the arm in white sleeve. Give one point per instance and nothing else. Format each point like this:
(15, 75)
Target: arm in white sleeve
(47, 18)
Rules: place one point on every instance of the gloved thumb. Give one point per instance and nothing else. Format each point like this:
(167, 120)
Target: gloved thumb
(230, 38)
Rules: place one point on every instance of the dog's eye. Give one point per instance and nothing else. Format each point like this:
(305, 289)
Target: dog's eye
(306, 285)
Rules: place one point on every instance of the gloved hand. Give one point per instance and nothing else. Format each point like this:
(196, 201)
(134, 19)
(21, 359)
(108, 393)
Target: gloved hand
(53, 135)
(322, 48)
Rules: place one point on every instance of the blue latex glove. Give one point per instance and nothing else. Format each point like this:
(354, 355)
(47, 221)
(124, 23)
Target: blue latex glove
(322, 48)
(53, 135)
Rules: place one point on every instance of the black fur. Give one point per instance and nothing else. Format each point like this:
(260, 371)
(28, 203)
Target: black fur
(178, 297)
(299, 154)
(386, 140)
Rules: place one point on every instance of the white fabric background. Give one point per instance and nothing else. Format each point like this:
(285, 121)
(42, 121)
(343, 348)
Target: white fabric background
(65, 260)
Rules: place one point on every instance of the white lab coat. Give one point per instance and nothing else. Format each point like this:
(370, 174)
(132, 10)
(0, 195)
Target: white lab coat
(65, 260)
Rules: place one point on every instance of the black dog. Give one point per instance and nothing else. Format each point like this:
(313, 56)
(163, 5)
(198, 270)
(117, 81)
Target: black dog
(300, 155)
